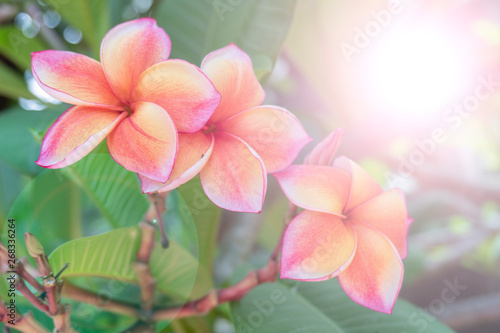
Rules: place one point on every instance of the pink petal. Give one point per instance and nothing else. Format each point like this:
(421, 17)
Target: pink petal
(73, 78)
(193, 153)
(387, 213)
(231, 71)
(182, 90)
(145, 142)
(129, 49)
(363, 187)
(319, 188)
(316, 246)
(234, 177)
(274, 133)
(75, 133)
(324, 152)
(374, 277)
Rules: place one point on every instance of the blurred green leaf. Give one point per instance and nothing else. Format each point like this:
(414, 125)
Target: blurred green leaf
(176, 271)
(206, 216)
(18, 48)
(12, 84)
(87, 319)
(114, 190)
(91, 17)
(199, 27)
(323, 307)
(49, 207)
(18, 147)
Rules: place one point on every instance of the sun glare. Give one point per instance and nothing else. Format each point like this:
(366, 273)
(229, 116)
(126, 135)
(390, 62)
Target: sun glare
(416, 71)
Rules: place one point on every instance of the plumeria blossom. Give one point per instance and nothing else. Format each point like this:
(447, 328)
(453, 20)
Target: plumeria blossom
(135, 98)
(240, 143)
(349, 228)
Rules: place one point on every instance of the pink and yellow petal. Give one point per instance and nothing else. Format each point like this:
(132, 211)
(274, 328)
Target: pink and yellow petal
(363, 187)
(193, 153)
(374, 277)
(316, 246)
(234, 177)
(324, 152)
(145, 142)
(182, 90)
(230, 69)
(129, 49)
(387, 213)
(75, 134)
(73, 78)
(319, 188)
(274, 133)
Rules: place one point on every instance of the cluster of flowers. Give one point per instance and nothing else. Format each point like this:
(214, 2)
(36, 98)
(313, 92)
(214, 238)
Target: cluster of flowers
(168, 120)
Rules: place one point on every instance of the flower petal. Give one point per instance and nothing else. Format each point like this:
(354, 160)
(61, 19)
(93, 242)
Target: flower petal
(129, 49)
(145, 142)
(230, 69)
(316, 246)
(363, 187)
(193, 153)
(73, 78)
(324, 152)
(319, 188)
(274, 133)
(387, 213)
(374, 277)
(182, 90)
(75, 133)
(234, 177)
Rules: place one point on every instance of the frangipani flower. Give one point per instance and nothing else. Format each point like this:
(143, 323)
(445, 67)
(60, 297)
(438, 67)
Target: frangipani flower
(135, 97)
(240, 143)
(349, 228)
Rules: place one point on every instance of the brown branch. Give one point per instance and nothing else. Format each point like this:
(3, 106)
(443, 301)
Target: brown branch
(36, 251)
(216, 297)
(59, 312)
(79, 294)
(25, 324)
(147, 283)
(23, 289)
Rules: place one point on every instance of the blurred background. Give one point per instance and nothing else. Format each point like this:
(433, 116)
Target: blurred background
(414, 84)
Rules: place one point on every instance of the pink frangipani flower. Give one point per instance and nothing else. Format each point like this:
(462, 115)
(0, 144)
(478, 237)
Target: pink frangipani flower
(349, 228)
(135, 98)
(240, 143)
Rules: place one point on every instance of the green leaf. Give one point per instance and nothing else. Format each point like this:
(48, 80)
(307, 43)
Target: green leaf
(18, 147)
(206, 216)
(18, 48)
(199, 27)
(114, 190)
(111, 255)
(323, 307)
(12, 84)
(90, 16)
(49, 207)
(176, 271)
